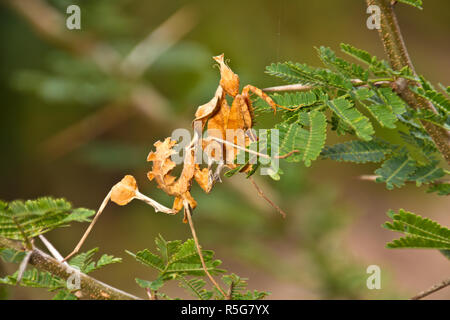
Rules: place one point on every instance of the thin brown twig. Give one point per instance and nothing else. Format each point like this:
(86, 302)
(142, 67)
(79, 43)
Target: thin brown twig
(305, 87)
(284, 156)
(261, 193)
(439, 286)
(373, 178)
(187, 210)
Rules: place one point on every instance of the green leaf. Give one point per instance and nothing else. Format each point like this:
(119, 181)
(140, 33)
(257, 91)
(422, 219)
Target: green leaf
(357, 151)
(11, 255)
(395, 171)
(443, 189)
(149, 259)
(446, 253)
(352, 117)
(284, 72)
(64, 295)
(320, 77)
(378, 67)
(196, 287)
(152, 285)
(183, 259)
(363, 93)
(166, 248)
(185, 252)
(238, 288)
(107, 260)
(393, 100)
(419, 232)
(36, 279)
(383, 114)
(308, 142)
(21, 220)
(414, 3)
(427, 173)
(85, 263)
(295, 99)
(348, 69)
(437, 98)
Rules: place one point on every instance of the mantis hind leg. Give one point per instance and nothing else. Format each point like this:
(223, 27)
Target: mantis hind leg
(249, 89)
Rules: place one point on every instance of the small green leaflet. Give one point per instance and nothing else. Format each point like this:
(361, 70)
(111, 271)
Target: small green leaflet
(395, 171)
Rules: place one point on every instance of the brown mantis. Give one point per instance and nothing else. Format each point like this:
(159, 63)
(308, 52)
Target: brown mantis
(216, 117)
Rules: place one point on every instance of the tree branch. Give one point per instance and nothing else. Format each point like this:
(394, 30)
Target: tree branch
(397, 53)
(433, 289)
(90, 287)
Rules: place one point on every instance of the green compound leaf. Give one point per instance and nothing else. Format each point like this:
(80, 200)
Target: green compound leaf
(378, 67)
(395, 171)
(149, 259)
(427, 173)
(320, 77)
(296, 99)
(348, 69)
(284, 72)
(442, 189)
(419, 232)
(85, 263)
(36, 279)
(196, 287)
(309, 143)
(21, 220)
(152, 285)
(391, 99)
(238, 288)
(437, 98)
(414, 3)
(382, 112)
(345, 110)
(357, 151)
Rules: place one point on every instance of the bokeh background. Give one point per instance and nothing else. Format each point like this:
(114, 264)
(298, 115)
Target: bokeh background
(82, 108)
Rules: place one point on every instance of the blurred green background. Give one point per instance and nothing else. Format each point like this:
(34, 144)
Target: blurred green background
(80, 110)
